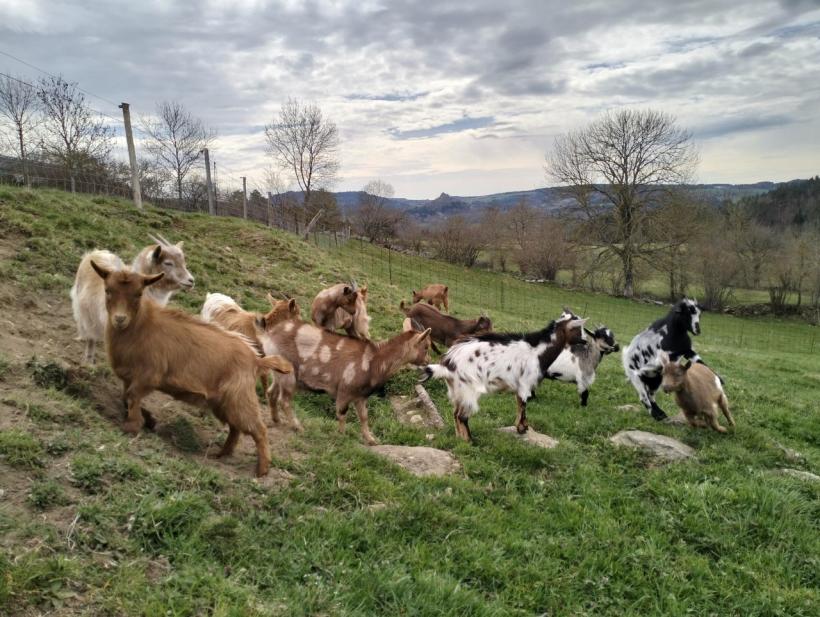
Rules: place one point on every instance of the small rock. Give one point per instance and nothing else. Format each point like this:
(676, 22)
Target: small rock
(627, 408)
(532, 437)
(660, 445)
(430, 436)
(376, 506)
(416, 419)
(800, 474)
(678, 420)
(2, 493)
(791, 455)
(420, 460)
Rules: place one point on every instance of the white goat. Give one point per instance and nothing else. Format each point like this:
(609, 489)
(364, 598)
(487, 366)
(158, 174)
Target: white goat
(577, 364)
(88, 291)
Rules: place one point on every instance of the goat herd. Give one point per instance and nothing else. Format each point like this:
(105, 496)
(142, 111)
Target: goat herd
(215, 359)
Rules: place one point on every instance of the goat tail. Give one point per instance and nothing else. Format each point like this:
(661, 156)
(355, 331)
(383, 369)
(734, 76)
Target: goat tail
(435, 371)
(273, 363)
(403, 308)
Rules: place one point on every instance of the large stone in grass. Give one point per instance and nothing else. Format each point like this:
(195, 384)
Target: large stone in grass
(661, 446)
(531, 437)
(800, 474)
(420, 460)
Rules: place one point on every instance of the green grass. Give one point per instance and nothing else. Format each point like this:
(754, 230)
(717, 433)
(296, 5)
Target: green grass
(584, 529)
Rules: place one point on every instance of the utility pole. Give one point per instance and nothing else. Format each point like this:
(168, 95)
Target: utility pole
(211, 205)
(244, 197)
(132, 156)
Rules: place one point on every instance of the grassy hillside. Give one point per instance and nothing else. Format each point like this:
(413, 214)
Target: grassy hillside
(93, 522)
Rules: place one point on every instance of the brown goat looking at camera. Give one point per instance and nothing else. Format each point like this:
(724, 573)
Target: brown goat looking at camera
(435, 294)
(698, 393)
(348, 369)
(225, 312)
(342, 306)
(151, 347)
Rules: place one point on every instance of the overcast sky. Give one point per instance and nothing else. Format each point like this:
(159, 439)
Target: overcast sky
(457, 97)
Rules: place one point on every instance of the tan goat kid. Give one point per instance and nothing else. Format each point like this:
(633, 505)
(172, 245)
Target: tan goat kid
(88, 298)
(348, 369)
(697, 391)
(225, 312)
(435, 294)
(151, 347)
(342, 306)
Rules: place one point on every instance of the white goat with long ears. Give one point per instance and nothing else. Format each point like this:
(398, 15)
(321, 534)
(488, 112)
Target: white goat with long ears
(495, 362)
(88, 291)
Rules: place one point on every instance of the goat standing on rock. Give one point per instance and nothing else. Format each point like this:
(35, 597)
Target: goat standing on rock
(642, 359)
(495, 361)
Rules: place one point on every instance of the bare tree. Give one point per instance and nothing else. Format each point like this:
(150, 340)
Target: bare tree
(458, 241)
(176, 140)
(72, 133)
(305, 143)
(374, 218)
(625, 163)
(19, 105)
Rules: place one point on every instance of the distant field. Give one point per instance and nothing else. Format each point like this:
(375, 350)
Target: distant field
(96, 523)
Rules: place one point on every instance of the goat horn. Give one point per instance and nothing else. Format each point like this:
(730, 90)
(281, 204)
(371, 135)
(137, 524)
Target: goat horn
(164, 239)
(417, 326)
(155, 239)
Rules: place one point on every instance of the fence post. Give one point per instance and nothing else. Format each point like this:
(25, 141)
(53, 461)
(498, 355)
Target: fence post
(244, 197)
(132, 156)
(740, 342)
(501, 282)
(390, 265)
(209, 186)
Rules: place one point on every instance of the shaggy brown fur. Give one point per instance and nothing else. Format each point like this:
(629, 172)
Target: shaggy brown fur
(342, 306)
(698, 393)
(435, 294)
(444, 328)
(348, 369)
(155, 348)
(229, 315)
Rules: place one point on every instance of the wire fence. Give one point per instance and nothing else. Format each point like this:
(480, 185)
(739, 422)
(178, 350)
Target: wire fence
(520, 305)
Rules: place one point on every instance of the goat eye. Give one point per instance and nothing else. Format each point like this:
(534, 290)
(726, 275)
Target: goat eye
(168, 263)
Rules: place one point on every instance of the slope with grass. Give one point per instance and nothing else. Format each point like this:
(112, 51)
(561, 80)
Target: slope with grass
(96, 523)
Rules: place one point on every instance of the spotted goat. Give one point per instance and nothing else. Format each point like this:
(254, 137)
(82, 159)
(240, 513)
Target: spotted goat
(642, 359)
(495, 362)
(348, 369)
(578, 363)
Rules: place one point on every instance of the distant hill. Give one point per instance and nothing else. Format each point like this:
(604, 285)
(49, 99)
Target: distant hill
(795, 203)
(547, 198)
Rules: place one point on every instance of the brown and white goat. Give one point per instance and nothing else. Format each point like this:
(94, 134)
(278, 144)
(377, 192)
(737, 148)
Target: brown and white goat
(88, 299)
(435, 294)
(225, 312)
(497, 361)
(151, 347)
(444, 328)
(698, 392)
(348, 369)
(342, 306)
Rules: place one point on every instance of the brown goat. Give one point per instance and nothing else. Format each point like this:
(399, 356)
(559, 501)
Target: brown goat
(156, 348)
(444, 328)
(435, 294)
(342, 306)
(225, 312)
(697, 391)
(348, 369)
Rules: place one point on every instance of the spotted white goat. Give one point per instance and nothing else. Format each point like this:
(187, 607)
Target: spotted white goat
(642, 359)
(88, 291)
(578, 363)
(495, 362)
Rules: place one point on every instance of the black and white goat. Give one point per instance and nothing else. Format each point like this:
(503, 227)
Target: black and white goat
(642, 359)
(495, 362)
(577, 364)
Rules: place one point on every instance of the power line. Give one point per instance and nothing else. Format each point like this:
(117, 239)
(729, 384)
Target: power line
(37, 68)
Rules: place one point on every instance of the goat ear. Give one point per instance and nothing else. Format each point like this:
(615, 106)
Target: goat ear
(157, 254)
(363, 291)
(260, 322)
(347, 290)
(686, 365)
(150, 280)
(292, 306)
(100, 270)
(424, 335)
(407, 325)
(271, 300)
(180, 243)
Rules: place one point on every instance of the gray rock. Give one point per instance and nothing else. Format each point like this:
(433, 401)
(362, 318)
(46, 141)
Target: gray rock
(661, 446)
(416, 411)
(531, 437)
(800, 474)
(420, 460)
(677, 420)
(627, 407)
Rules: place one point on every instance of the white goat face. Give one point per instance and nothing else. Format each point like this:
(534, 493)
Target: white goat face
(171, 261)
(691, 307)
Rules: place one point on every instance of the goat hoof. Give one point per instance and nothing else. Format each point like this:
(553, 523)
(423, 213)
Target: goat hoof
(522, 428)
(132, 428)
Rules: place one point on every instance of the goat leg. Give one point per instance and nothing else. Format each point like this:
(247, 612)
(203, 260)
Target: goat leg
(723, 402)
(361, 411)
(230, 443)
(521, 418)
(134, 421)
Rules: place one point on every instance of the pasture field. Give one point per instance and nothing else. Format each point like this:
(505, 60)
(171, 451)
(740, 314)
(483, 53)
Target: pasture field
(93, 522)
